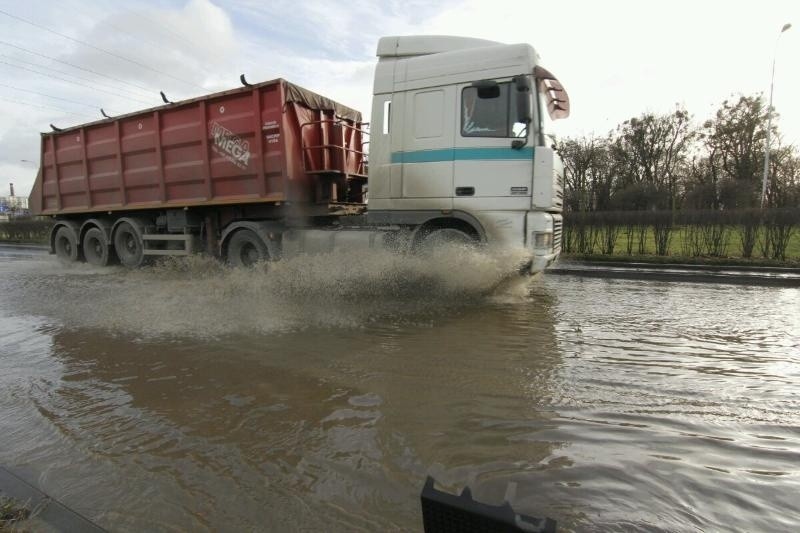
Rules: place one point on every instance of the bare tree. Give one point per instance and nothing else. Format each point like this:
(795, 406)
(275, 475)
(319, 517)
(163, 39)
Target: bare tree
(650, 154)
(784, 177)
(656, 162)
(735, 142)
(588, 173)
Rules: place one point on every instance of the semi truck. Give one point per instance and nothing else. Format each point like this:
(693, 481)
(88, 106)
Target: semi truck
(456, 152)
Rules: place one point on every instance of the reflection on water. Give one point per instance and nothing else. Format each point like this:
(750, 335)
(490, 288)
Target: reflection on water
(309, 396)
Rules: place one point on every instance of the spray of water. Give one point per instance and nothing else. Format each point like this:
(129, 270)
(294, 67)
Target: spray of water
(201, 297)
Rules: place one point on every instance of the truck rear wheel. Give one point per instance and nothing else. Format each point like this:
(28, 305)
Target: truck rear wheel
(96, 248)
(246, 249)
(128, 245)
(66, 244)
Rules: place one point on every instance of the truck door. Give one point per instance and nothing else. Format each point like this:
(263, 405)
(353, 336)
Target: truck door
(427, 154)
(490, 175)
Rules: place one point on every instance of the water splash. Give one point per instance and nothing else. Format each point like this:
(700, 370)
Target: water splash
(198, 296)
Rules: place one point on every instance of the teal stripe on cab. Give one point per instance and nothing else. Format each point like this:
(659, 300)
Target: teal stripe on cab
(462, 154)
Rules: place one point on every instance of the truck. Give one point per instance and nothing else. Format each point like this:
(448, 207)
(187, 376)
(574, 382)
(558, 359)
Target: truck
(456, 152)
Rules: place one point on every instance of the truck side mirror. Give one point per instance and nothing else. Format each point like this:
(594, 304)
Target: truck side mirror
(524, 110)
(487, 89)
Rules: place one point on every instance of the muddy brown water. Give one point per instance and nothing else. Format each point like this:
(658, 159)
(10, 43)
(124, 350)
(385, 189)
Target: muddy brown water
(317, 395)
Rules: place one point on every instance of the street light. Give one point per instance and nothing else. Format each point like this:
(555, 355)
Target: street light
(769, 117)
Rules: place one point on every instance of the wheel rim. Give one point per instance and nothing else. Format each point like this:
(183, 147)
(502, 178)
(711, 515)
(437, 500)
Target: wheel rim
(128, 247)
(94, 249)
(130, 243)
(249, 254)
(64, 247)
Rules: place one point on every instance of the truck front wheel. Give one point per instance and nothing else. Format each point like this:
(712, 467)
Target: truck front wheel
(442, 238)
(246, 249)
(128, 245)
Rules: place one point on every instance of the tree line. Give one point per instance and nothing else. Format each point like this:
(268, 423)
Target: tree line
(671, 162)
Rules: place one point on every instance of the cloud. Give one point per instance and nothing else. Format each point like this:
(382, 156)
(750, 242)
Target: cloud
(179, 50)
(333, 30)
(617, 58)
(195, 42)
(620, 58)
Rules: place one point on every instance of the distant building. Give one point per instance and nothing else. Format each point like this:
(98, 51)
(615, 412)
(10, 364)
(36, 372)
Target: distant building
(13, 206)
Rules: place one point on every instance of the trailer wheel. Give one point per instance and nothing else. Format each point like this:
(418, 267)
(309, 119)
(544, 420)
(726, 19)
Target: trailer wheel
(96, 248)
(246, 249)
(128, 245)
(441, 238)
(66, 244)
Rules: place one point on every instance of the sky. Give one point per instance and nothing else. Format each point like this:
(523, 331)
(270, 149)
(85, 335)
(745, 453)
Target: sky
(61, 61)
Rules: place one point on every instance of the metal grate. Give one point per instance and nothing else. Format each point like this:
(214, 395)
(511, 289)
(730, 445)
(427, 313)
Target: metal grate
(558, 223)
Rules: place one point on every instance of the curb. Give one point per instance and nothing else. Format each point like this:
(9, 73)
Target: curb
(683, 266)
(43, 507)
(681, 275)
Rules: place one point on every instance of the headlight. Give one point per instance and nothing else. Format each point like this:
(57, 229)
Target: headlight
(542, 240)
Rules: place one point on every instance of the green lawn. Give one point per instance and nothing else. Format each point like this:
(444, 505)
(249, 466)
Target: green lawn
(677, 251)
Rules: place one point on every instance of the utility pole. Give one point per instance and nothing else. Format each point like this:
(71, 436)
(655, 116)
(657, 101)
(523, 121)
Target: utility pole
(769, 119)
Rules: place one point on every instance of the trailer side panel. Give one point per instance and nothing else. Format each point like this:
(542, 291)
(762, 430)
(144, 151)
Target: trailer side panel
(236, 147)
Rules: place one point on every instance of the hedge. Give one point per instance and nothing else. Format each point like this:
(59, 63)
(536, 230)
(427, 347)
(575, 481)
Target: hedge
(746, 233)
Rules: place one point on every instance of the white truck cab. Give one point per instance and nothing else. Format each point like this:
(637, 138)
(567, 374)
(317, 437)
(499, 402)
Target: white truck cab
(457, 139)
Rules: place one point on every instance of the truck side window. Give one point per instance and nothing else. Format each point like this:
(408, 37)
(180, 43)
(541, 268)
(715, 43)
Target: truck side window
(486, 115)
(387, 116)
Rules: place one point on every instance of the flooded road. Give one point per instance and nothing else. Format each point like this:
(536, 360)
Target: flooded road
(318, 395)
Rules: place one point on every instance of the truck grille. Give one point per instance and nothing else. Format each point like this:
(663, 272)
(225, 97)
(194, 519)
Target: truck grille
(558, 188)
(559, 199)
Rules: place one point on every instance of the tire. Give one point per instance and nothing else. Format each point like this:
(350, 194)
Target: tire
(66, 245)
(246, 248)
(443, 238)
(96, 248)
(128, 245)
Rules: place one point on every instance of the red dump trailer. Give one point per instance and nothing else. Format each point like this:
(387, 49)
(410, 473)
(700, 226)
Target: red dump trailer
(270, 142)
(171, 180)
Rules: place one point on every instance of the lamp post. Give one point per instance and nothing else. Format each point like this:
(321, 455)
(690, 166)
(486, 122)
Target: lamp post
(769, 118)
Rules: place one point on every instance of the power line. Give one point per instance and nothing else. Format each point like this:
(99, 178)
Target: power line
(46, 107)
(169, 30)
(74, 82)
(93, 82)
(112, 54)
(177, 34)
(139, 37)
(55, 97)
(213, 52)
(145, 89)
(193, 46)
